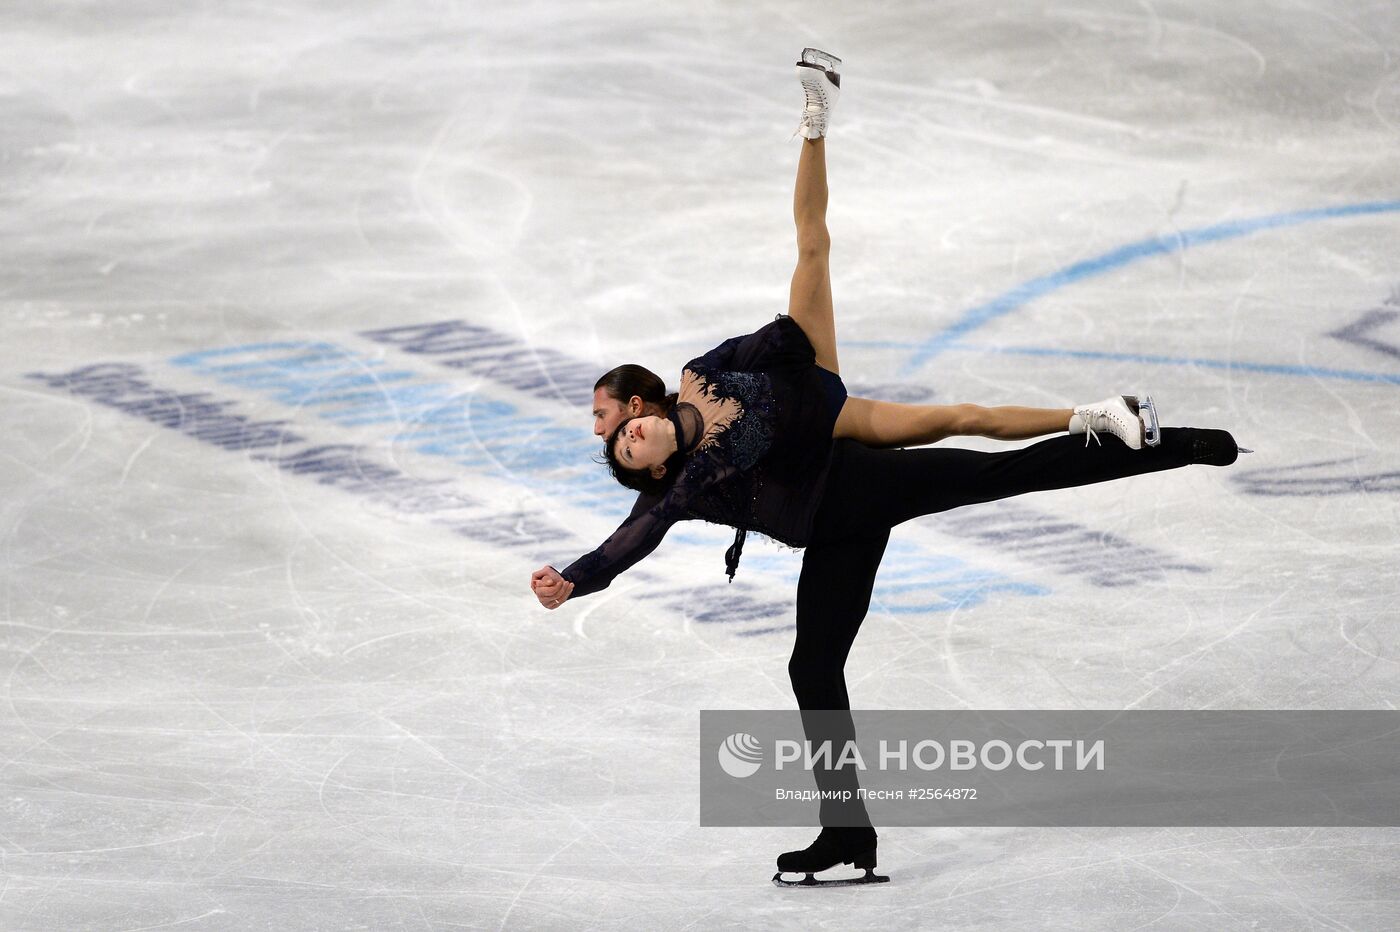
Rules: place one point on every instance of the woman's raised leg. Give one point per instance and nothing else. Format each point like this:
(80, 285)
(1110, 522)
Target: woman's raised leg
(809, 300)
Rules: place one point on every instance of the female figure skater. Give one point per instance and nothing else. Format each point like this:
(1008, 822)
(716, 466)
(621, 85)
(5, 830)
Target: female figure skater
(762, 436)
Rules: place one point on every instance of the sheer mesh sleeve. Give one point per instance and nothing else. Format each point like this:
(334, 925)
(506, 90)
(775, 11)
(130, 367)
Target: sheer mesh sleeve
(643, 530)
(645, 502)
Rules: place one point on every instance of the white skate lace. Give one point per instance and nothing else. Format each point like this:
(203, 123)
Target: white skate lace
(1119, 428)
(814, 113)
(1095, 421)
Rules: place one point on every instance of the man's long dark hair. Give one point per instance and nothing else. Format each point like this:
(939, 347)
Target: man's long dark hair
(625, 381)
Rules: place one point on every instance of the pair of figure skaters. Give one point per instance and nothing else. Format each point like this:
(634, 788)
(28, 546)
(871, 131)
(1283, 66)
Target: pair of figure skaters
(762, 436)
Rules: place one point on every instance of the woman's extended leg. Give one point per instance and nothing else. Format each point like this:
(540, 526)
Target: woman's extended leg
(809, 301)
(889, 424)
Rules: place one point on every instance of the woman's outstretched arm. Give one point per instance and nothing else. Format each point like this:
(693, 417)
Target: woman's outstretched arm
(809, 301)
(888, 424)
(634, 539)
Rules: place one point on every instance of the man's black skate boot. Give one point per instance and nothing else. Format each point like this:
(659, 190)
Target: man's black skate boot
(1213, 447)
(833, 846)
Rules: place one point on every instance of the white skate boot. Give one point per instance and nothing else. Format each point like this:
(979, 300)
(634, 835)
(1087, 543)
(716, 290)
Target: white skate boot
(1131, 419)
(818, 72)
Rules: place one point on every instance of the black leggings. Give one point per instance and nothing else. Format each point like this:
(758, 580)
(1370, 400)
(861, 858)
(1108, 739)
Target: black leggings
(868, 492)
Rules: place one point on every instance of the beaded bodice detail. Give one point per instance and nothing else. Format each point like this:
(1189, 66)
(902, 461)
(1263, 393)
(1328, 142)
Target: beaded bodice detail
(732, 413)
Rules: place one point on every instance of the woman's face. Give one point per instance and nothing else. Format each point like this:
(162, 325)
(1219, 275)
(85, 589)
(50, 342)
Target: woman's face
(643, 443)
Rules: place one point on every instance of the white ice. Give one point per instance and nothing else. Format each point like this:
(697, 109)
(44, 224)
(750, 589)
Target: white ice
(232, 696)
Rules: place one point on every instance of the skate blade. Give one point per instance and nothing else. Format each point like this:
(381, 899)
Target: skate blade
(1152, 431)
(1146, 411)
(811, 881)
(823, 60)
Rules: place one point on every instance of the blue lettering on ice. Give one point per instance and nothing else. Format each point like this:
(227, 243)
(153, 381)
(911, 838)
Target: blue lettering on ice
(198, 415)
(1097, 557)
(490, 435)
(1318, 479)
(438, 419)
(352, 389)
(434, 418)
(539, 371)
(1362, 332)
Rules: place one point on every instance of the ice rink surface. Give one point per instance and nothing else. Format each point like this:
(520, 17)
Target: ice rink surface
(300, 310)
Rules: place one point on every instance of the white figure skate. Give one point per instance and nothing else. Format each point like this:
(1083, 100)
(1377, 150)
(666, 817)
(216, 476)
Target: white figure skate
(1130, 418)
(820, 75)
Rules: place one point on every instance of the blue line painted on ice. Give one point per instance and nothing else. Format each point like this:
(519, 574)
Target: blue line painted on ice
(1312, 372)
(1024, 293)
(1300, 371)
